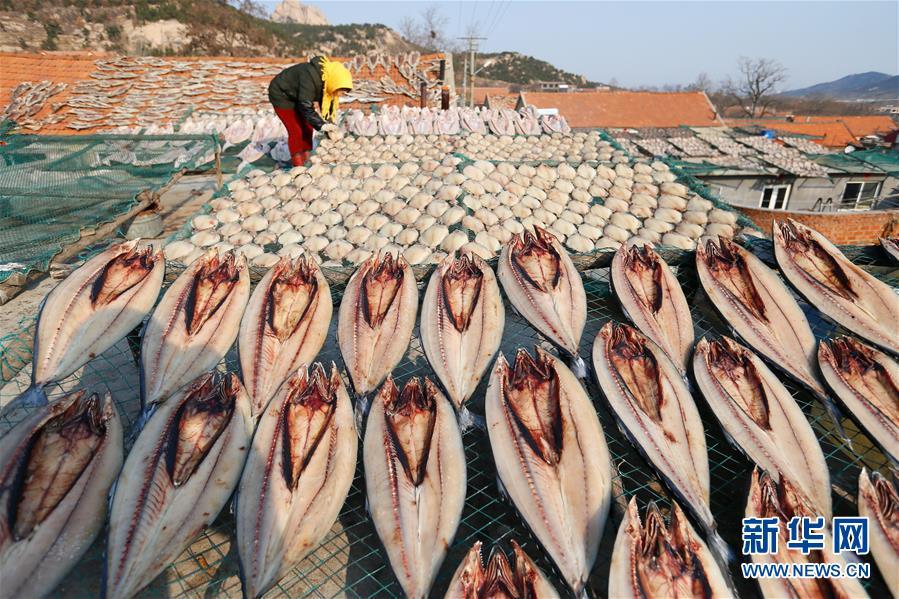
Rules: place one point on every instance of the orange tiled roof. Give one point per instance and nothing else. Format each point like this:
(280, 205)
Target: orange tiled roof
(501, 101)
(73, 67)
(860, 125)
(833, 134)
(628, 108)
(481, 93)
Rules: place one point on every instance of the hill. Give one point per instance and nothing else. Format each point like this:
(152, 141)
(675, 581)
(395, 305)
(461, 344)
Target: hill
(516, 68)
(860, 86)
(178, 27)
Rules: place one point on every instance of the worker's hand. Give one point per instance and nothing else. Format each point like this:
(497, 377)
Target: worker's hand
(331, 130)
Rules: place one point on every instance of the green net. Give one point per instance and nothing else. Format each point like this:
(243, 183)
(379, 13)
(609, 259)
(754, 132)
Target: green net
(52, 187)
(351, 561)
(863, 161)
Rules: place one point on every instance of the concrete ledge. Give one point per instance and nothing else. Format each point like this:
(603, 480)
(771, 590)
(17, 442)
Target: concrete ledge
(842, 228)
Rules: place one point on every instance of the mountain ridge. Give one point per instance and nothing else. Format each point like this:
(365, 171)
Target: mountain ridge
(871, 85)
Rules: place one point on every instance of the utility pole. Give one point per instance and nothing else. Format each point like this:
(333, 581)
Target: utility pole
(472, 49)
(465, 81)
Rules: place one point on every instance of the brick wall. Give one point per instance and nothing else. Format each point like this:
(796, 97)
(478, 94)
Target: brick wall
(842, 228)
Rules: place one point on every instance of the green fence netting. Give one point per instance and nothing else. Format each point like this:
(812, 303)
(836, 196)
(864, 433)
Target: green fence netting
(52, 187)
(351, 561)
(863, 161)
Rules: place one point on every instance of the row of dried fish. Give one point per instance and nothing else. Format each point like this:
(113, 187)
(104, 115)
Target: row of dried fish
(27, 99)
(393, 120)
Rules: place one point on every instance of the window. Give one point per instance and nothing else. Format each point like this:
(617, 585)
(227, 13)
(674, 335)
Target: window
(859, 194)
(775, 197)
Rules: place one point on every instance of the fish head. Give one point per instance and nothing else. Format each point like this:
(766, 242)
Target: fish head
(733, 369)
(636, 367)
(308, 410)
(809, 254)
(204, 413)
(52, 460)
(461, 285)
(665, 563)
(411, 415)
(471, 573)
(849, 356)
(500, 582)
(127, 269)
(214, 280)
(531, 390)
(642, 266)
(536, 257)
(382, 279)
(292, 292)
(778, 497)
(881, 494)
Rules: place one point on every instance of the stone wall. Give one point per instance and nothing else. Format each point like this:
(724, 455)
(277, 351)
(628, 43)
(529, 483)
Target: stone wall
(842, 228)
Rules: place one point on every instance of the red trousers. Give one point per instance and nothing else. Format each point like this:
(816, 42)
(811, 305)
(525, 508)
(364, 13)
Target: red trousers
(299, 134)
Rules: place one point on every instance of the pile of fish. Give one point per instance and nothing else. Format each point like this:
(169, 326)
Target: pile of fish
(575, 147)
(424, 210)
(27, 99)
(283, 439)
(393, 120)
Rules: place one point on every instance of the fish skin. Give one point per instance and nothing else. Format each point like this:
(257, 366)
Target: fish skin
(782, 499)
(81, 318)
(767, 317)
(837, 288)
(270, 350)
(654, 301)
(34, 565)
(521, 578)
(152, 520)
(172, 356)
(547, 290)
(460, 357)
(371, 349)
(652, 561)
(891, 246)
(867, 382)
(557, 470)
(771, 430)
(415, 485)
(657, 412)
(278, 520)
(879, 502)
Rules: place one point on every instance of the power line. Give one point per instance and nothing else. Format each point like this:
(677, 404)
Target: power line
(473, 41)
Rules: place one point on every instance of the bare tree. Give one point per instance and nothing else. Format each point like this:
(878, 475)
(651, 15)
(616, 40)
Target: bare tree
(703, 83)
(251, 8)
(428, 30)
(757, 83)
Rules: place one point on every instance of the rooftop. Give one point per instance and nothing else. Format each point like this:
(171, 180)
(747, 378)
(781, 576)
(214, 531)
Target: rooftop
(628, 108)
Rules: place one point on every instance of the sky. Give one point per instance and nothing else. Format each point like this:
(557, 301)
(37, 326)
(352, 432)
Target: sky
(656, 43)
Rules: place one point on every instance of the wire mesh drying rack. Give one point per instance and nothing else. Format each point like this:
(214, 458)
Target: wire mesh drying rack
(351, 560)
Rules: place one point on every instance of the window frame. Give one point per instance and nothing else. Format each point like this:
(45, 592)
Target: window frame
(844, 201)
(786, 186)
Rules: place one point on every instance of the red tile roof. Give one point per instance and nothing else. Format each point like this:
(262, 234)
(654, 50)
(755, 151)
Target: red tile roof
(860, 125)
(628, 108)
(832, 134)
(481, 93)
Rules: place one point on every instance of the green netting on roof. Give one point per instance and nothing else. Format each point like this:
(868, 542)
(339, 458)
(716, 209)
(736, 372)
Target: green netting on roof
(52, 187)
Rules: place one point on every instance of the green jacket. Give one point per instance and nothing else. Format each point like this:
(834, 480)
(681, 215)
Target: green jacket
(298, 87)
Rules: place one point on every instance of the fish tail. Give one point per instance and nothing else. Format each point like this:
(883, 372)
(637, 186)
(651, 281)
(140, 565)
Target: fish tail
(578, 367)
(139, 424)
(32, 397)
(836, 417)
(722, 554)
(361, 411)
(468, 420)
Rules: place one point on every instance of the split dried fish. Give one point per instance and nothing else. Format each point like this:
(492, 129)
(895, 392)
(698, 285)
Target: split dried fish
(756, 303)
(652, 561)
(193, 326)
(462, 320)
(56, 468)
(519, 577)
(878, 501)
(891, 246)
(652, 403)
(178, 476)
(867, 382)
(415, 479)
(298, 473)
(654, 301)
(375, 321)
(835, 286)
(543, 285)
(551, 458)
(90, 311)
(761, 418)
(284, 327)
(778, 497)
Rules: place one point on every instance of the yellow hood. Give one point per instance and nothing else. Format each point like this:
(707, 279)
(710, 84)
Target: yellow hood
(334, 76)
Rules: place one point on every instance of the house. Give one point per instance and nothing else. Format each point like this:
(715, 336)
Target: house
(788, 172)
(833, 131)
(606, 109)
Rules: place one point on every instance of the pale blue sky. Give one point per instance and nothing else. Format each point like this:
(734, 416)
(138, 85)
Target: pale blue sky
(653, 43)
